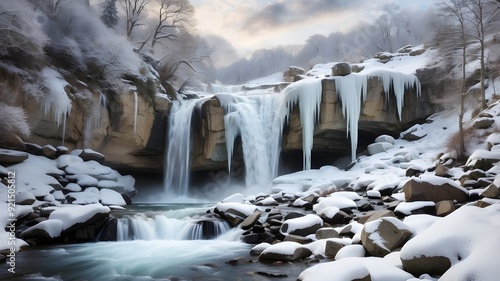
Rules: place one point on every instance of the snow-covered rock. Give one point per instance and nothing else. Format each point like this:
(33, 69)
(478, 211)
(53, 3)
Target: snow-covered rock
(432, 188)
(302, 226)
(284, 251)
(8, 156)
(381, 236)
(465, 243)
(111, 197)
(379, 147)
(48, 229)
(75, 217)
(25, 198)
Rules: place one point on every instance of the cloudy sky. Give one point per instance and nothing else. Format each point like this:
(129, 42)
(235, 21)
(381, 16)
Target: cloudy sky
(248, 25)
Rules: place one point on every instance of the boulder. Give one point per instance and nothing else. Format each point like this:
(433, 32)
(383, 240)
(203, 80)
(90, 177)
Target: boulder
(162, 102)
(233, 212)
(292, 72)
(432, 188)
(49, 151)
(414, 133)
(296, 238)
(302, 226)
(78, 217)
(379, 147)
(385, 138)
(33, 148)
(413, 208)
(406, 49)
(444, 208)
(8, 156)
(89, 154)
(351, 251)
(25, 198)
(384, 235)
(48, 229)
(326, 232)
(417, 52)
(483, 123)
(493, 140)
(332, 248)
(250, 221)
(284, 251)
(376, 215)
(341, 69)
(482, 159)
(492, 191)
(258, 249)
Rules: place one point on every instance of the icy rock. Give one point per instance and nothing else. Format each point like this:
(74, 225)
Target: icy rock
(483, 123)
(376, 215)
(234, 213)
(48, 229)
(406, 49)
(382, 236)
(8, 156)
(326, 232)
(111, 197)
(334, 201)
(76, 217)
(302, 226)
(432, 188)
(109, 184)
(251, 220)
(235, 198)
(258, 249)
(269, 201)
(383, 56)
(385, 138)
(88, 196)
(25, 198)
(332, 247)
(334, 215)
(417, 51)
(493, 140)
(162, 102)
(72, 187)
(83, 180)
(351, 251)
(49, 151)
(33, 148)
(284, 251)
(482, 159)
(408, 208)
(355, 269)
(379, 147)
(414, 133)
(341, 69)
(89, 154)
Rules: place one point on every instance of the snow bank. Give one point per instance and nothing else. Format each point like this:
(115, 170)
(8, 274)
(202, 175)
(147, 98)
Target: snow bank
(71, 215)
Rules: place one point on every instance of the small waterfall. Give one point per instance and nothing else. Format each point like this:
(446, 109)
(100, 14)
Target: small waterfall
(93, 121)
(178, 156)
(161, 227)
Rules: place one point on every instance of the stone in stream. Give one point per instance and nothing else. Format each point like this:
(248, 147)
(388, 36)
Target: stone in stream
(302, 226)
(250, 221)
(326, 232)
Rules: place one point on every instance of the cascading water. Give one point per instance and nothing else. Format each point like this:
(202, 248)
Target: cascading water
(251, 118)
(258, 117)
(93, 121)
(161, 227)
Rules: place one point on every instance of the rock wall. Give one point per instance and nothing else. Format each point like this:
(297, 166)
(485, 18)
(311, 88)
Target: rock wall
(105, 127)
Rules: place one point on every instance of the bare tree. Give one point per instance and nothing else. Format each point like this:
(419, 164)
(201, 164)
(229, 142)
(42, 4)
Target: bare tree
(455, 39)
(133, 10)
(482, 15)
(172, 15)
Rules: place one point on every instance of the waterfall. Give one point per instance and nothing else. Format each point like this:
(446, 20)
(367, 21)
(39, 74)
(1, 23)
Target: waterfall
(251, 117)
(161, 227)
(93, 121)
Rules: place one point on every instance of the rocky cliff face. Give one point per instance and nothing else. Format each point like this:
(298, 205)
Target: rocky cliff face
(103, 120)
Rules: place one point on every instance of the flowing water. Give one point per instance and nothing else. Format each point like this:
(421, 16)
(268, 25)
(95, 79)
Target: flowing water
(168, 244)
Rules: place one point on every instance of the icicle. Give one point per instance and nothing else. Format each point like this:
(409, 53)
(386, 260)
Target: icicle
(307, 94)
(352, 91)
(400, 82)
(135, 111)
(64, 129)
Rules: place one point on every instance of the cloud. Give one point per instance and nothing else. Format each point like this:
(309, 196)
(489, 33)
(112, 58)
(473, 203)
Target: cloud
(280, 14)
(225, 53)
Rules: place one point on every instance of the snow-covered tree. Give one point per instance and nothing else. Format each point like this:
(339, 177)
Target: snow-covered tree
(133, 13)
(109, 13)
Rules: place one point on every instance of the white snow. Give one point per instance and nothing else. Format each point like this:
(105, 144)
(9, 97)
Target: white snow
(351, 251)
(283, 248)
(301, 223)
(53, 228)
(468, 237)
(245, 209)
(55, 99)
(333, 201)
(318, 247)
(111, 197)
(351, 268)
(71, 215)
(407, 207)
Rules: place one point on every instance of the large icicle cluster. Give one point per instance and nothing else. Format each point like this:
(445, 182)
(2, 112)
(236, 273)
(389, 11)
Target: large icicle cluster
(352, 91)
(56, 100)
(306, 94)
